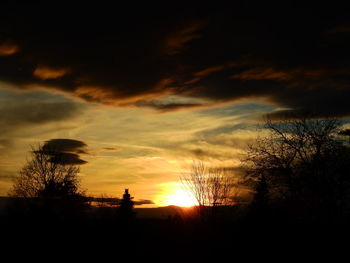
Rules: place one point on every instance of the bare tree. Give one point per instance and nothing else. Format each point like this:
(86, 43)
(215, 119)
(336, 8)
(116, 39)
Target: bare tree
(209, 186)
(195, 182)
(220, 186)
(47, 174)
(301, 157)
(291, 145)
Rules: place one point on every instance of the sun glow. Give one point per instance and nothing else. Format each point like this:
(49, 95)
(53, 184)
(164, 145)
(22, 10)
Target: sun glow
(180, 198)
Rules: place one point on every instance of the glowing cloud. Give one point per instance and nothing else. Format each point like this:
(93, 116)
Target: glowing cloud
(7, 49)
(44, 72)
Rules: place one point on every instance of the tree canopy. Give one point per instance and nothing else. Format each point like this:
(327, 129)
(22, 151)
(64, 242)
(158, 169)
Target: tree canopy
(48, 175)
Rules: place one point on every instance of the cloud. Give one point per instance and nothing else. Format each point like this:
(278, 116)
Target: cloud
(208, 71)
(110, 149)
(219, 54)
(263, 73)
(19, 110)
(122, 97)
(43, 72)
(203, 154)
(8, 48)
(34, 108)
(65, 151)
(144, 202)
(6, 176)
(318, 89)
(110, 201)
(4, 143)
(66, 145)
(173, 102)
(164, 107)
(36, 113)
(95, 94)
(175, 43)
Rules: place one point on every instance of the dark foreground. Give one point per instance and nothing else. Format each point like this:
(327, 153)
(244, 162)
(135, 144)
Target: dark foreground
(103, 233)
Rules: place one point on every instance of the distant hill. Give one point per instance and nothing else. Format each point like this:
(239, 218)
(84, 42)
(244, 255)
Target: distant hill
(148, 213)
(162, 212)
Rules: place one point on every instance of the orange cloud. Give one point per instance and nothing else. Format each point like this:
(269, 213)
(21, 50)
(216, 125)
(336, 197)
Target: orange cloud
(8, 48)
(283, 75)
(111, 95)
(210, 70)
(95, 93)
(207, 71)
(110, 149)
(263, 73)
(44, 72)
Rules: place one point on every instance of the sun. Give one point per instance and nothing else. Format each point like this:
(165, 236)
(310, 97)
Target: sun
(181, 198)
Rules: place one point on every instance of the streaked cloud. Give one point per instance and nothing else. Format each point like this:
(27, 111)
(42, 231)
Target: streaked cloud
(265, 73)
(19, 110)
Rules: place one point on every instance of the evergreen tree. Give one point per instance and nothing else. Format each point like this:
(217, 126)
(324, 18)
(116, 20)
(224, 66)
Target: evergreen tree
(126, 206)
(261, 199)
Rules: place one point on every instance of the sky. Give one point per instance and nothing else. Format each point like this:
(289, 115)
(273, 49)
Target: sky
(135, 93)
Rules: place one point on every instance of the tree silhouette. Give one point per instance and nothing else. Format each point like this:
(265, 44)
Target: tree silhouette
(126, 206)
(261, 199)
(49, 177)
(210, 187)
(301, 159)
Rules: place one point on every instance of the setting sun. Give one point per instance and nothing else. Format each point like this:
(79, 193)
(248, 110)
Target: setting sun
(181, 198)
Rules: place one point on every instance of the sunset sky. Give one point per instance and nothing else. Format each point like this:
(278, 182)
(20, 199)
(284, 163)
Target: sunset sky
(137, 92)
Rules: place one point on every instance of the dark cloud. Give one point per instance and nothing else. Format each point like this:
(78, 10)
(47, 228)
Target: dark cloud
(294, 56)
(144, 202)
(66, 145)
(166, 106)
(239, 110)
(22, 114)
(176, 42)
(20, 110)
(224, 129)
(111, 201)
(201, 154)
(65, 151)
(207, 154)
